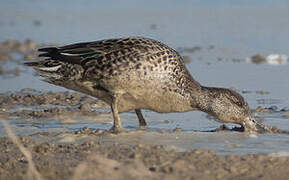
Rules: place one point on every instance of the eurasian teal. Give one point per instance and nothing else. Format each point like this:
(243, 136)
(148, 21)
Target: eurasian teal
(137, 73)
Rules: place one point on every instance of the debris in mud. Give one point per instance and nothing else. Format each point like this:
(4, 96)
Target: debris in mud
(276, 59)
(237, 60)
(268, 101)
(29, 103)
(257, 59)
(261, 92)
(94, 158)
(177, 130)
(211, 47)
(286, 114)
(223, 127)
(272, 109)
(273, 59)
(189, 49)
(86, 130)
(261, 110)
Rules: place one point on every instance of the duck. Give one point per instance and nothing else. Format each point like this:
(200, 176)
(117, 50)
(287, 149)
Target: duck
(137, 73)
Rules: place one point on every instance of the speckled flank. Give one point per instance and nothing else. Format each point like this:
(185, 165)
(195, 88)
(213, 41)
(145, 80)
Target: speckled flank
(136, 73)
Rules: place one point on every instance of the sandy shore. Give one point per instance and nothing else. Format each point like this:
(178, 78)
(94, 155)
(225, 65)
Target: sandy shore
(86, 155)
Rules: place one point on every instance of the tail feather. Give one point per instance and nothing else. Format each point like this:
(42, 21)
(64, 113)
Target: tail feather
(48, 72)
(48, 49)
(54, 54)
(61, 63)
(48, 66)
(44, 55)
(32, 64)
(73, 54)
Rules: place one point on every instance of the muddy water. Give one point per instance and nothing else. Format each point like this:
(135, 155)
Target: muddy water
(216, 38)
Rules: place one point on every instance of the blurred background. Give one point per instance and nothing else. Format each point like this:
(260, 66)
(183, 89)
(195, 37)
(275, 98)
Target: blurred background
(254, 26)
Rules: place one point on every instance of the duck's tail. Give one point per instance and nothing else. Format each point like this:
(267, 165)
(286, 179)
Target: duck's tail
(48, 69)
(55, 72)
(46, 65)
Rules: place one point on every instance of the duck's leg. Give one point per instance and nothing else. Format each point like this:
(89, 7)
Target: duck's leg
(142, 122)
(117, 127)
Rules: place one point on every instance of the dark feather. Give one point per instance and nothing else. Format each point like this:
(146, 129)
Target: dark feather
(31, 64)
(49, 49)
(81, 53)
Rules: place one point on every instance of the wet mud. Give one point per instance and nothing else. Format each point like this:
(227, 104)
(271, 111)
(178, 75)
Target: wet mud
(31, 104)
(92, 156)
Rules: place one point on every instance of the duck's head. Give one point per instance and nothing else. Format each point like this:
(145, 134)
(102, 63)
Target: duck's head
(229, 106)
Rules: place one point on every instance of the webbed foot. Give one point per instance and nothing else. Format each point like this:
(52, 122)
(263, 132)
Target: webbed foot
(116, 130)
(143, 127)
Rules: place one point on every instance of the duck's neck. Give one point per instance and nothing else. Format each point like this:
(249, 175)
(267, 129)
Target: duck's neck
(205, 99)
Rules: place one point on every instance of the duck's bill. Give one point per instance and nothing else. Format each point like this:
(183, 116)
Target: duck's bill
(252, 126)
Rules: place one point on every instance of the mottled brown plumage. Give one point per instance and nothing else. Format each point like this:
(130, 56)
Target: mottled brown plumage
(137, 73)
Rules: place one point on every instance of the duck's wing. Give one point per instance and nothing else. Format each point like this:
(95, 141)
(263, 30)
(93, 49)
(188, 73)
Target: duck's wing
(97, 59)
(104, 50)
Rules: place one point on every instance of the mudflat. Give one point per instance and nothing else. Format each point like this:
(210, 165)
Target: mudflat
(87, 154)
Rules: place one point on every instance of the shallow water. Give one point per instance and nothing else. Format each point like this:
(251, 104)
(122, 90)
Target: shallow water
(226, 33)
